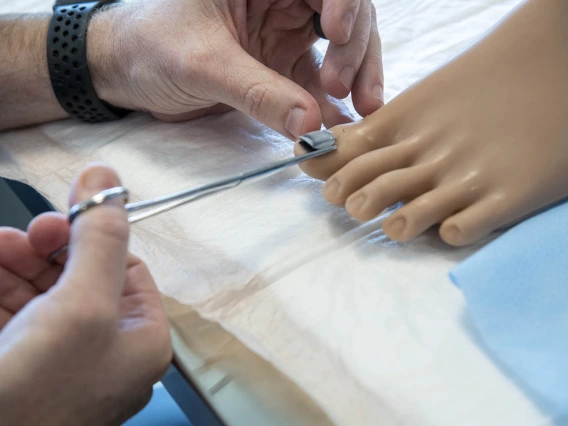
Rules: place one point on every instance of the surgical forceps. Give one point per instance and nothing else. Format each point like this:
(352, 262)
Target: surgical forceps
(315, 144)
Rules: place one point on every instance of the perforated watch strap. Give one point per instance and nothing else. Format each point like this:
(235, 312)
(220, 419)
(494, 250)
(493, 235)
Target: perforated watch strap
(67, 62)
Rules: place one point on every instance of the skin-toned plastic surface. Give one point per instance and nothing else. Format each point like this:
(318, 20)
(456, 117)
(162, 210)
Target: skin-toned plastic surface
(478, 144)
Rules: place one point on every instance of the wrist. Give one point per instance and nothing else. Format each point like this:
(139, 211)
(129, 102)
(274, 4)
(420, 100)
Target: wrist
(26, 95)
(105, 58)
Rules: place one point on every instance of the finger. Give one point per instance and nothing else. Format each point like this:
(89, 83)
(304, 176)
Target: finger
(145, 321)
(141, 299)
(139, 278)
(141, 304)
(99, 239)
(338, 18)
(48, 233)
(307, 74)
(5, 317)
(368, 89)
(18, 256)
(15, 292)
(251, 87)
(342, 62)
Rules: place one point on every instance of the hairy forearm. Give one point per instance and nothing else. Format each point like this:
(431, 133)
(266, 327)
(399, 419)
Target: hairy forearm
(26, 96)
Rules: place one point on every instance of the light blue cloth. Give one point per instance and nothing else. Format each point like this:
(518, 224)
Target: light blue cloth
(516, 289)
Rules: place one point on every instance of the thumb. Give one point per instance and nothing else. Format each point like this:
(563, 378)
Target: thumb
(99, 238)
(262, 93)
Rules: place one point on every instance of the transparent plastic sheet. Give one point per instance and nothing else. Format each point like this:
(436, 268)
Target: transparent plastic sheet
(372, 330)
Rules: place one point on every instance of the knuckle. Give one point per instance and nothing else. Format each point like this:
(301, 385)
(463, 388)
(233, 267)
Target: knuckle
(8, 288)
(108, 223)
(185, 65)
(359, 42)
(255, 100)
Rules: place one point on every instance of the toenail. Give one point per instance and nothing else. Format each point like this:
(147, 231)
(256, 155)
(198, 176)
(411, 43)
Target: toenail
(331, 188)
(451, 234)
(397, 226)
(357, 202)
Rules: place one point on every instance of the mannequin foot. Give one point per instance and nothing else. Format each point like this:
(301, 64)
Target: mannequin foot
(475, 146)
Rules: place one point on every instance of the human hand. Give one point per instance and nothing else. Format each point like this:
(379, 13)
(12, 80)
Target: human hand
(83, 339)
(185, 59)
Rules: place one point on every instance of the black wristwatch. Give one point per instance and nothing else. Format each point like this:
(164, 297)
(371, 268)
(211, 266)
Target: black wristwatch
(67, 62)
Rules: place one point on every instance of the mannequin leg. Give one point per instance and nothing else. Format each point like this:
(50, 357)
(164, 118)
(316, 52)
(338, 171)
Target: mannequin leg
(479, 143)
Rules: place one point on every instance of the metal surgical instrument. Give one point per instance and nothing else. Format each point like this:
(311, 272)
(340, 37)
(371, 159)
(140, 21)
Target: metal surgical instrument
(315, 144)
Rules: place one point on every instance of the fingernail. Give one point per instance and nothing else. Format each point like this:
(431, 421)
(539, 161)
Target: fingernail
(331, 188)
(397, 226)
(346, 75)
(356, 203)
(347, 24)
(295, 121)
(378, 92)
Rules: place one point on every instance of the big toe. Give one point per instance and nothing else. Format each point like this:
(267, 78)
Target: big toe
(352, 140)
(325, 166)
(321, 167)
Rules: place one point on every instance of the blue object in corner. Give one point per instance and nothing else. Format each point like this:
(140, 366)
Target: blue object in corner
(516, 289)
